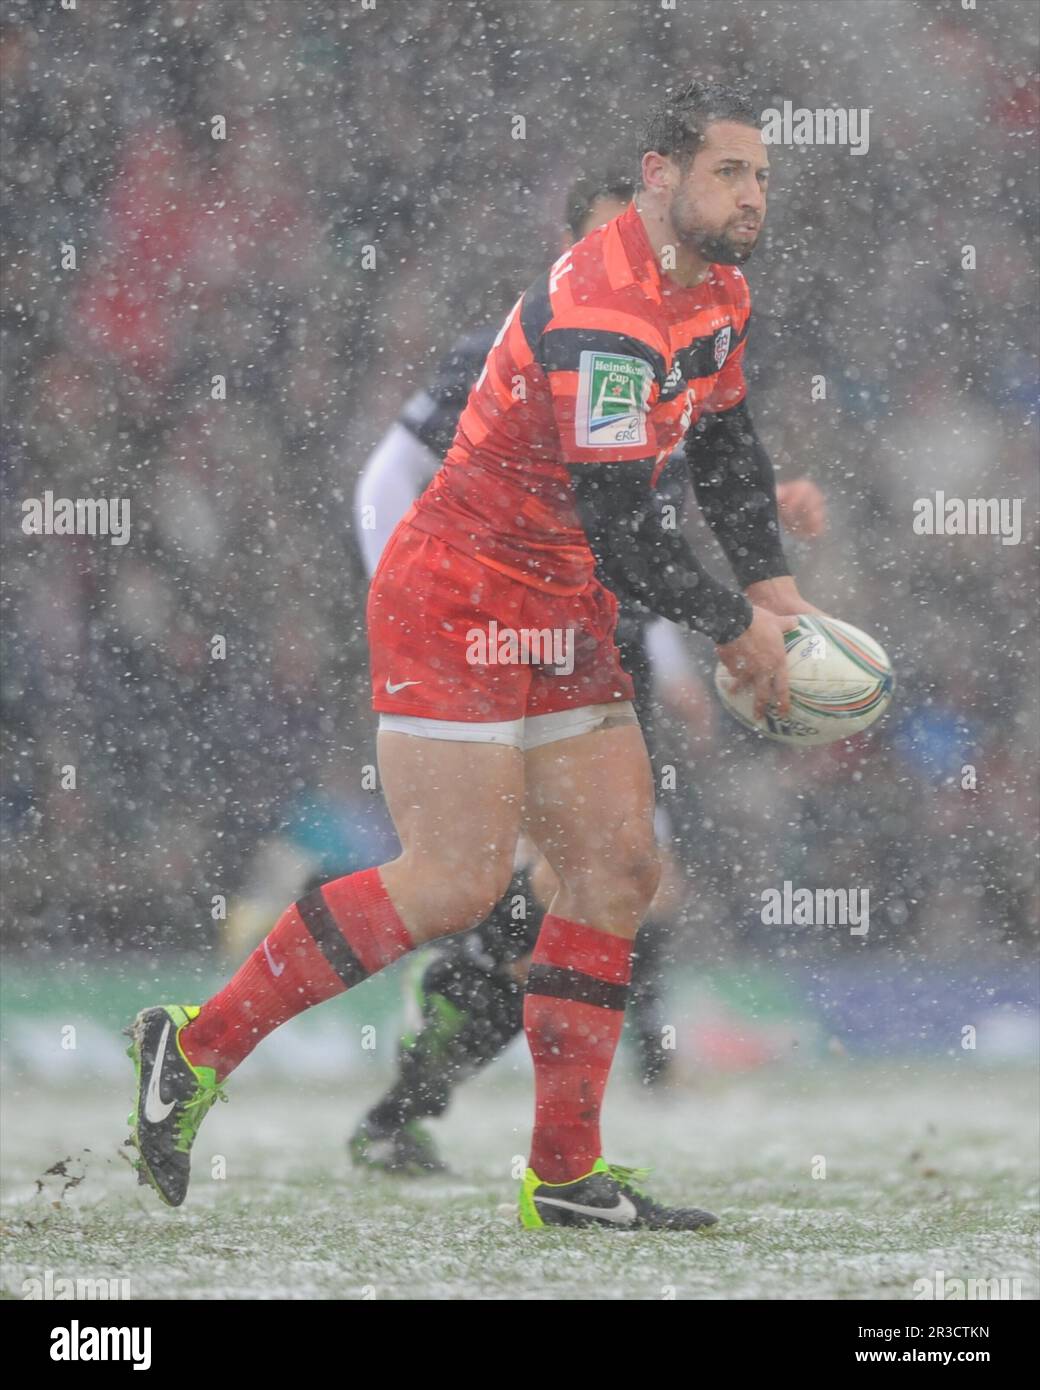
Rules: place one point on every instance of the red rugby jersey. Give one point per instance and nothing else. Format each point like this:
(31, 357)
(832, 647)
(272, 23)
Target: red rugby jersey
(603, 360)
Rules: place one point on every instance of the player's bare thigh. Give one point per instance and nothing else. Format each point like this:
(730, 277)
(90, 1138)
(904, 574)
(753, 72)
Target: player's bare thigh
(456, 808)
(590, 809)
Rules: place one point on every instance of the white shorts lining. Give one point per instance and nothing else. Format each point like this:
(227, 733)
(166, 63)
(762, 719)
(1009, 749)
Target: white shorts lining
(525, 733)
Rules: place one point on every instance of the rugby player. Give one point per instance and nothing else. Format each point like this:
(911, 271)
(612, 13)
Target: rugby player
(633, 338)
(469, 998)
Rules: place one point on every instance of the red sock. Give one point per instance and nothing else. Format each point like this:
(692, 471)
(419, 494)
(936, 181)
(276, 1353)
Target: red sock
(331, 939)
(573, 1012)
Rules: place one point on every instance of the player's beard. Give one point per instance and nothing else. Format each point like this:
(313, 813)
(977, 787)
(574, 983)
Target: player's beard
(710, 243)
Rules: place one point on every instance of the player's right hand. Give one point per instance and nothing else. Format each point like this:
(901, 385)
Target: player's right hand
(758, 658)
(802, 508)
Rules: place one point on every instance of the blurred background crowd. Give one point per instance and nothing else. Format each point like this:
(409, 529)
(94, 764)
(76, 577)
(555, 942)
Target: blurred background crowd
(244, 258)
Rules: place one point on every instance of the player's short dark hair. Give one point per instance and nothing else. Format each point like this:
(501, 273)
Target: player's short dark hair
(583, 192)
(677, 127)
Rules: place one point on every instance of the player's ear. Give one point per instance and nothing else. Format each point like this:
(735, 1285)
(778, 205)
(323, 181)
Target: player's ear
(664, 173)
(655, 170)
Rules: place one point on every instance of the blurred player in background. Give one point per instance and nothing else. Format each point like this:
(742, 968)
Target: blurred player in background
(634, 339)
(469, 996)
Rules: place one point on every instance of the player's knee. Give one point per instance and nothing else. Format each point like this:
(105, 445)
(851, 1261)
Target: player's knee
(645, 870)
(635, 867)
(474, 892)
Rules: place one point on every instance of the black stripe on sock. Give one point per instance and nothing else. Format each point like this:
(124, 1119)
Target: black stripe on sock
(329, 940)
(561, 983)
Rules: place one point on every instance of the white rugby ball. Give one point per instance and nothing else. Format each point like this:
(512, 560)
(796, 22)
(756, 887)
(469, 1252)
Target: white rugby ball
(841, 682)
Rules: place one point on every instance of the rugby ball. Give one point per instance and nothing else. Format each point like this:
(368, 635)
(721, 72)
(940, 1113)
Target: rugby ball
(841, 682)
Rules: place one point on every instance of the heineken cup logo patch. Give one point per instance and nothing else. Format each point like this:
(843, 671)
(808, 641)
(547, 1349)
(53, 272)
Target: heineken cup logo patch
(613, 398)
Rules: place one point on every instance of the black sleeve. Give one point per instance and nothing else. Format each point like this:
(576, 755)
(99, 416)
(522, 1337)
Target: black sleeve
(433, 413)
(733, 481)
(641, 557)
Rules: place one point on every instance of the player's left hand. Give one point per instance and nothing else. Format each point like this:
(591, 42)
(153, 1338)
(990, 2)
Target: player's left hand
(780, 596)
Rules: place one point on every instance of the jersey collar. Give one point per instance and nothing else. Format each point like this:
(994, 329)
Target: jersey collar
(631, 261)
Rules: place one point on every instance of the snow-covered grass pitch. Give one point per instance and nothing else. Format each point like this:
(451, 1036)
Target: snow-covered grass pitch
(929, 1166)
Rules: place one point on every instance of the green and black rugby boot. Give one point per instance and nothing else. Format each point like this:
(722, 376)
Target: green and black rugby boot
(605, 1197)
(172, 1099)
(407, 1150)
